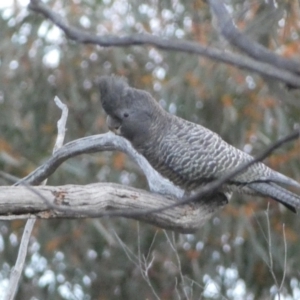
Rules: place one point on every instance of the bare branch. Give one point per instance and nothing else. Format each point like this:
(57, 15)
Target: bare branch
(97, 143)
(110, 141)
(102, 199)
(250, 47)
(157, 183)
(110, 240)
(235, 59)
(285, 258)
(279, 287)
(18, 268)
(61, 124)
(19, 265)
(142, 265)
(179, 267)
(270, 249)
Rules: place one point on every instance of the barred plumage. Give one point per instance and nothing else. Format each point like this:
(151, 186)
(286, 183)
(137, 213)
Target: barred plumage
(186, 153)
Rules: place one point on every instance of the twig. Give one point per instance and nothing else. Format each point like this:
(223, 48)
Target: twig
(178, 263)
(105, 233)
(270, 264)
(144, 265)
(285, 258)
(129, 253)
(19, 265)
(61, 124)
(8, 177)
(235, 59)
(137, 261)
(151, 245)
(144, 272)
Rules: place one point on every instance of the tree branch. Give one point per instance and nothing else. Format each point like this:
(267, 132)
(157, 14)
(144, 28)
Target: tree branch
(97, 143)
(99, 199)
(109, 141)
(250, 47)
(235, 59)
(116, 200)
(19, 265)
(146, 211)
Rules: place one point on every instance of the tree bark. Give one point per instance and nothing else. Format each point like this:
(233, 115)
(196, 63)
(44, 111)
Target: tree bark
(103, 199)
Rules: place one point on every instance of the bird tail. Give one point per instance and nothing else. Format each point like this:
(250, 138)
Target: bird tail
(278, 193)
(282, 179)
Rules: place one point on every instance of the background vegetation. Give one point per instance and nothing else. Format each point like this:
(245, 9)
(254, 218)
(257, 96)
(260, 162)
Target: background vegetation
(245, 252)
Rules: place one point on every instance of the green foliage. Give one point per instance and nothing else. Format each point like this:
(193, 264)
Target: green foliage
(80, 260)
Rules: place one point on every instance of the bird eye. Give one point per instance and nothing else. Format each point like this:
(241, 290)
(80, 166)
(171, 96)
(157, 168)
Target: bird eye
(125, 115)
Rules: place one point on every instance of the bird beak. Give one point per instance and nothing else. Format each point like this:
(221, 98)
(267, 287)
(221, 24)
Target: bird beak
(113, 125)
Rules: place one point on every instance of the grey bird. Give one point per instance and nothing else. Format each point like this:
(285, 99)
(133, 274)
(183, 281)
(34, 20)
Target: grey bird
(186, 153)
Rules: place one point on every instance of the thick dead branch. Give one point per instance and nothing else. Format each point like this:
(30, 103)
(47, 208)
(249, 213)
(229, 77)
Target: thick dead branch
(95, 200)
(240, 61)
(157, 183)
(110, 199)
(146, 207)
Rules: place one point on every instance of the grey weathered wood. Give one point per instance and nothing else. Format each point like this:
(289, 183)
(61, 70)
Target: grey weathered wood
(103, 199)
(95, 200)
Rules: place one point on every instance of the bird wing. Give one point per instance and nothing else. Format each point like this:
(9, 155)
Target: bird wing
(210, 157)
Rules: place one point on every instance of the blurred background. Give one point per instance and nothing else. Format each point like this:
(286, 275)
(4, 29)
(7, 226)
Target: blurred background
(249, 250)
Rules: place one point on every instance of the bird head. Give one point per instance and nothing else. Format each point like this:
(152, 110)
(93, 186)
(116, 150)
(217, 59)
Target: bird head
(131, 112)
